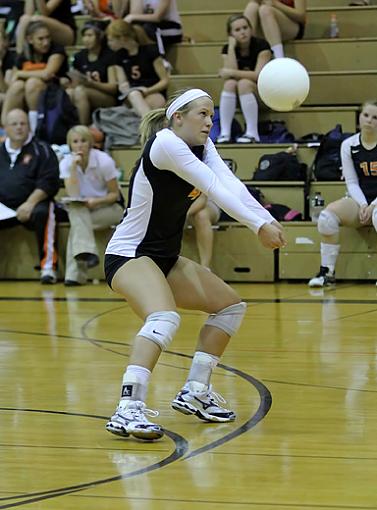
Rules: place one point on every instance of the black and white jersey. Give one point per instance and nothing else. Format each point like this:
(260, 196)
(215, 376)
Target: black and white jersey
(165, 181)
(359, 170)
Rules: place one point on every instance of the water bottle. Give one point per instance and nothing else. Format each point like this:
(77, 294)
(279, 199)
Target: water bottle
(317, 204)
(334, 28)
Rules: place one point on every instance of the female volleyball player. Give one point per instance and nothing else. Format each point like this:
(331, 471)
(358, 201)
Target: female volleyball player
(358, 208)
(143, 264)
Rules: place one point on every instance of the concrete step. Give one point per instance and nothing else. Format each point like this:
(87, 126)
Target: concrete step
(316, 54)
(206, 25)
(327, 87)
(239, 5)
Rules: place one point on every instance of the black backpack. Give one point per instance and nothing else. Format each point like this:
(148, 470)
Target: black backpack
(281, 166)
(274, 131)
(327, 164)
(56, 115)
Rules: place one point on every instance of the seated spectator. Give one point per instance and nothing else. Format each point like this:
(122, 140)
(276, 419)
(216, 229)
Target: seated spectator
(159, 20)
(56, 14)
(358, 208)
(41, 62)
(278, 21)
(6, 65)
(202, 215)
(29, 179)
(94, 74)
(89, 175)
(100, 9)
(244, 57)
(142, 75)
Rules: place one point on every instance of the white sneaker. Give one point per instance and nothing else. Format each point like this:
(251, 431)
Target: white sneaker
(48, 276)
(223, 139)
(199, 399)
(323, 279)
(130, 418)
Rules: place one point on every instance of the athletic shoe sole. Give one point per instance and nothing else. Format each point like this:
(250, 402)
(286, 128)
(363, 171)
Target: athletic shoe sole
(147, 435)
(187, 408)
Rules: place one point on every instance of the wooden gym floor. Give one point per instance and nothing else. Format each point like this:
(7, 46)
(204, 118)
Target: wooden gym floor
(301, 375)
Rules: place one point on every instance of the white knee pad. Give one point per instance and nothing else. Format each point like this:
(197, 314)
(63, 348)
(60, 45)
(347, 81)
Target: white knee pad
(374, 218)
(160, 328)
(229, 319)
(328, 223)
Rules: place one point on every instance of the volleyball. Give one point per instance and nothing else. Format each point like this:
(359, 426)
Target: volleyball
(283, 84)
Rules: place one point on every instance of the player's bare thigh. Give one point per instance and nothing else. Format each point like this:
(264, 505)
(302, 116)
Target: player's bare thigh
(144, 286)
(347, 210)
(196, 288)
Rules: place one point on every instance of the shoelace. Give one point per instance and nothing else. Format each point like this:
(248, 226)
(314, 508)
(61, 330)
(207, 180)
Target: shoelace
(216, 397)
(140, 411)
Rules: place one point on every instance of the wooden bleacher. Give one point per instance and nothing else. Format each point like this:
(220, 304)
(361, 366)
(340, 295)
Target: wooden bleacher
(343, 74)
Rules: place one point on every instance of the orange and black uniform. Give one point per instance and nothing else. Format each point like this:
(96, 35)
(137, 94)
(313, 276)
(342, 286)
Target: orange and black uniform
(36, 167)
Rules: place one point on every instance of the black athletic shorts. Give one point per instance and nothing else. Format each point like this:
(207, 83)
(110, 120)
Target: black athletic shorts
(301, 31)
(113, 262)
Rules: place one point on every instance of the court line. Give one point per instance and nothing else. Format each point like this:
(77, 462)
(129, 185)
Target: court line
(263, 408)
(294, 301)
(181, 446)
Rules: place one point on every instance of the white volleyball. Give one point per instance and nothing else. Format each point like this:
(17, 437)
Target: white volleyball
(283, 84)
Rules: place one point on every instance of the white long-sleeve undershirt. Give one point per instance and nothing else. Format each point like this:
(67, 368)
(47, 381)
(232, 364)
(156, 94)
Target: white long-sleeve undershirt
(349, 172)
(212, 177)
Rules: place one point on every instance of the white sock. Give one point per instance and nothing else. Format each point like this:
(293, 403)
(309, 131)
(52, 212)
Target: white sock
(135, 383)
(202, 366)
(249, 107)
(33, 120)
(329, 254)
(278, 50)
(227, 110)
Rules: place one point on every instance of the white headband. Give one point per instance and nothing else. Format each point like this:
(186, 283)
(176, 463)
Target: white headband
(185, 98)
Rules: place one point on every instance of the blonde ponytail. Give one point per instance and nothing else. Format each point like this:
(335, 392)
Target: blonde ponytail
(153, 121)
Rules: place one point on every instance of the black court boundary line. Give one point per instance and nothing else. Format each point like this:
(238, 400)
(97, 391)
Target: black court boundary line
(295, 301)
(263, 408)
(181, 446)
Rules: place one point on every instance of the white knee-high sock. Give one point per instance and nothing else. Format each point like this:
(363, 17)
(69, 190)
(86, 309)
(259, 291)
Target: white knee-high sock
(33, 120)
(227, 110)
(329, 254)
(278, 50)
(249, 107)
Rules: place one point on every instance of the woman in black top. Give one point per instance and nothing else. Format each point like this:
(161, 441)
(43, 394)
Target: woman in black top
(40, 63)
(142, 76)
(244, 57)
(56, 14)
(93, 76)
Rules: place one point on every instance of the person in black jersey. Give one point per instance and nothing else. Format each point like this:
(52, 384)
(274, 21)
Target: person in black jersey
(93, 75)
(41, 62)
(358, 208)
(6, 64)
(142, 76)
(244, 57)
(56, 14)
(143, 264)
